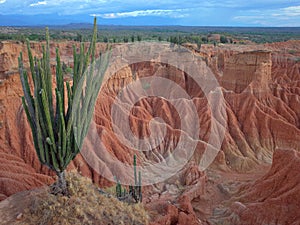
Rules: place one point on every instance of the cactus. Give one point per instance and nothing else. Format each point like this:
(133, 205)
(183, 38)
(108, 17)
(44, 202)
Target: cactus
(134, 170)
(140, 196)
(54, 127)
(135, 191)
(121, 193)
(119, 189)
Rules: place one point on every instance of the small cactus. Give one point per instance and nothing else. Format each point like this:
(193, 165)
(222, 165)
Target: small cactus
(135, 191)
(121, 193)
(137, 188)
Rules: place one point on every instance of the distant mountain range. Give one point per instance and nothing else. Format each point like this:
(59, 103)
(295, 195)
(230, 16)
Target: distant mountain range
(55, 19)
(71, 22)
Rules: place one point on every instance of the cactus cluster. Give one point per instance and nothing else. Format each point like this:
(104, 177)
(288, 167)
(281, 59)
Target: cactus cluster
(58, 134)
(121, 192)
(135, 191)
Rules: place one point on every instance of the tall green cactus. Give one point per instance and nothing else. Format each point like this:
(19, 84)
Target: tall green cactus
(57, 133)
(136, 190)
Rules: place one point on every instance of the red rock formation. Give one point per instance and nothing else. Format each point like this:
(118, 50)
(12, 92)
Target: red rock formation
(261, 91)
(272, 199)
(174, 206)
(245, 68)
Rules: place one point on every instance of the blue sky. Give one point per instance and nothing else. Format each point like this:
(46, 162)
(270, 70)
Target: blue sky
(153, 12)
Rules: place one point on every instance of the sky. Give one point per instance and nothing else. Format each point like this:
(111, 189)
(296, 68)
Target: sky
(258, 13)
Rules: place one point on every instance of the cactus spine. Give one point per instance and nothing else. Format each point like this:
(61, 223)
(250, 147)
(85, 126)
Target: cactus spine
(53, 127)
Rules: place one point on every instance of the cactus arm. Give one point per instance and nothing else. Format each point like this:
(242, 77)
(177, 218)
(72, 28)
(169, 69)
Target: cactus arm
(40, 150)
(46, 112)
(62, 127)
(25, 86)
(60, 80)
(31, 62)
(81, 59)
(140, 186)
(48, 75)
(70, 100)
(134, 170)
(75, 69)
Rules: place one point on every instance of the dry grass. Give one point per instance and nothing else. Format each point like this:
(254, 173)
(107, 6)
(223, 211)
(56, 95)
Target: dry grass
(84, 206)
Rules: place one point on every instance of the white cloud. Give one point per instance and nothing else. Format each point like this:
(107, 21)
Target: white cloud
(286, 17)
(191, 12)
(38, 3)
(291, 11)
(176, 13)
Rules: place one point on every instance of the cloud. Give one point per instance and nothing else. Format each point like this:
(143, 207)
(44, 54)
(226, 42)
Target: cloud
(286, 16)
(291, 11)
(188, 12)
(38, 3)
(177, 13)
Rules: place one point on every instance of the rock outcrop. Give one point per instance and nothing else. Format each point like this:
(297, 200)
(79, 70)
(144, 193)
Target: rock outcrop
(272, 199)
(245, 69)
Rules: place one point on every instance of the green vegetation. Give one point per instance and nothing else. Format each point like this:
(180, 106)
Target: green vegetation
(174, 34)
(57, 134)
(223, 39)
(135, 191)
(66, 69)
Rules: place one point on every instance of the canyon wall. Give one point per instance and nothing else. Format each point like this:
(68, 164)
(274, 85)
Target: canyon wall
(261, 88)
(243, 69)
(272, 199)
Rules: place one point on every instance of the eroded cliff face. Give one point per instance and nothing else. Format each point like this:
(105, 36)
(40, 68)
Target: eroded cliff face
(245, 69)
(272, 199)
(261, 88)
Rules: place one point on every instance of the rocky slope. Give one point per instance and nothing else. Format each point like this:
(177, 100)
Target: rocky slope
(261, 88)
(272, 199)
